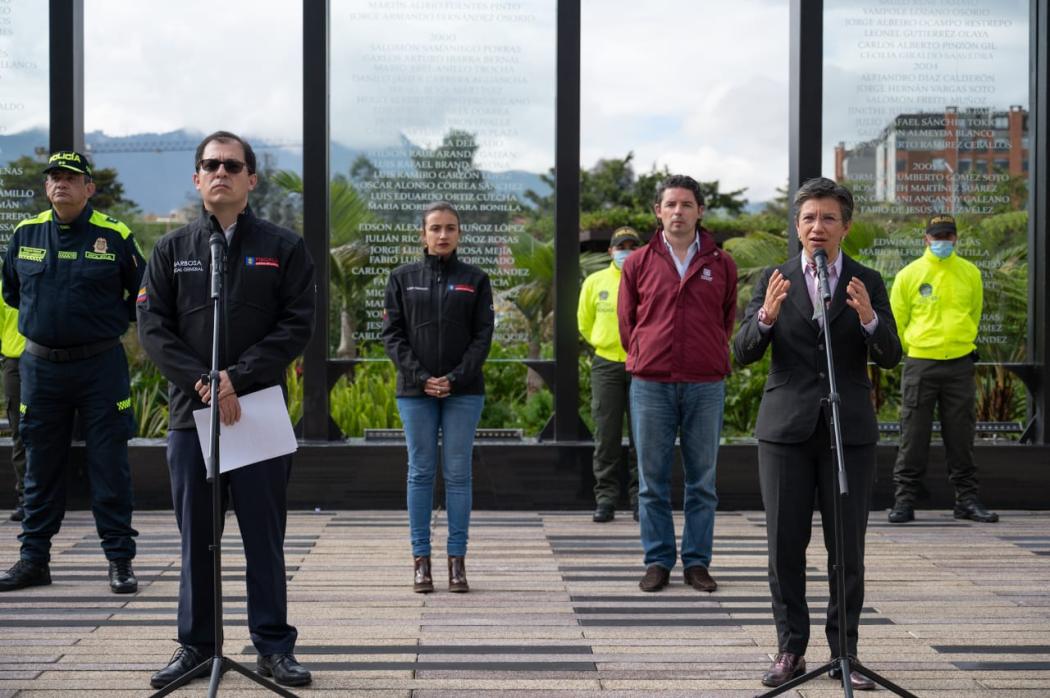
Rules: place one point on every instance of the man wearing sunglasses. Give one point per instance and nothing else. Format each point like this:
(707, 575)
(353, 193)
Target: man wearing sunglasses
(72, 273)
(268, 303)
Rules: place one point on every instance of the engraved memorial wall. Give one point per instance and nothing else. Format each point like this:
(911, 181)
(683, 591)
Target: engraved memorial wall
(23, 111)
(442, 100)
(925, 112)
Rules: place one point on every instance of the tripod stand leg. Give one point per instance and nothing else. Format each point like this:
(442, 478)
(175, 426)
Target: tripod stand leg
(269, 685)
(185, 678)
(884, 682)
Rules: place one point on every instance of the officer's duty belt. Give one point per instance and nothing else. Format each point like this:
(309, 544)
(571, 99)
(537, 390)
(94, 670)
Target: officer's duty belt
(65, 354)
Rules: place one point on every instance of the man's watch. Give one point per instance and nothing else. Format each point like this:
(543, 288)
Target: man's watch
(763, 316)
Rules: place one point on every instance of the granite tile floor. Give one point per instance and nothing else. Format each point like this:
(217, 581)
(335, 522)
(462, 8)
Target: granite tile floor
(953, 609)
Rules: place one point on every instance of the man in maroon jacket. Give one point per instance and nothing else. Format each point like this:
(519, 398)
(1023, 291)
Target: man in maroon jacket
(676, 309)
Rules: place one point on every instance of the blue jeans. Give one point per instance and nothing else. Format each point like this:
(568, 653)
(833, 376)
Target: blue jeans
(457, 418)
(658, 412)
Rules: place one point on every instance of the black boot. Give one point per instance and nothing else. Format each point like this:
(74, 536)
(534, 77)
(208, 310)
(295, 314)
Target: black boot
(25, 574)
(122, 577)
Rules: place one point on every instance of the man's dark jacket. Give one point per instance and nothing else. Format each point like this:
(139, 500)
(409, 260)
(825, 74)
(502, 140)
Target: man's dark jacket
(438, 322)
(269, 298)
(797, 374)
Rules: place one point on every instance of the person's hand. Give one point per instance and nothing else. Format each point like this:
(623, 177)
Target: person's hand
(776, 292)
(229, 405)
(438, 387)
(857, 298)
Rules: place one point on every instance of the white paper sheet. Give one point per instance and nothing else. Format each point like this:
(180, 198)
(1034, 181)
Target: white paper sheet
(264, 431)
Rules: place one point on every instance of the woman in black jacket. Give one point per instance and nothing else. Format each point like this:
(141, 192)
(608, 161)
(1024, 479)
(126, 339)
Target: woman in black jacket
(437, 330)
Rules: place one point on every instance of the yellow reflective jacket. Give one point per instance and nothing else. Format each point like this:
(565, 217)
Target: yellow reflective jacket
(596, 313)
(937, 305)
(11, 343)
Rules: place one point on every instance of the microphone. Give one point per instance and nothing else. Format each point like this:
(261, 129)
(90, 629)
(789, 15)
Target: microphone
(820, 258)
(217, 242)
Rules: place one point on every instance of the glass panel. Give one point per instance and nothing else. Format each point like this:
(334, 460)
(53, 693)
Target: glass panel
(24, 115)
(926, 112)
(160, 76)
(431, 101)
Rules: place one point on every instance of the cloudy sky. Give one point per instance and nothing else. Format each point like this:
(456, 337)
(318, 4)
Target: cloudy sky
(700, 87)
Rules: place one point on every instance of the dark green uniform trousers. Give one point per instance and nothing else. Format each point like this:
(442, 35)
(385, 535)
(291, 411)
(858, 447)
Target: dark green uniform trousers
(950, 386)
(12, 396)
(609, 385)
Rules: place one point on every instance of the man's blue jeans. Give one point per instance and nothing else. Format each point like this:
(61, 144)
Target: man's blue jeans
(659, 411)
(456, 416)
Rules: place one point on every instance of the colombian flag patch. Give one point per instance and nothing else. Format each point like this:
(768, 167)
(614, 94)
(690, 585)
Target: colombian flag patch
(262, 262)
(142, 297)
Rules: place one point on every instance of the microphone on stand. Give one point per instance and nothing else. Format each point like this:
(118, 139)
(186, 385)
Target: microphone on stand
(217, 242)
(820, 258)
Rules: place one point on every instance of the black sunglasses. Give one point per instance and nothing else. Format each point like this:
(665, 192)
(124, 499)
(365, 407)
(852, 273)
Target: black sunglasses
(212, 165)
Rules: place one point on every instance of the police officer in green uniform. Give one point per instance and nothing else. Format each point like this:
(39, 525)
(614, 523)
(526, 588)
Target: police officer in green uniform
(11, 346)
(610, 382)
(73, 273)
(937, 301)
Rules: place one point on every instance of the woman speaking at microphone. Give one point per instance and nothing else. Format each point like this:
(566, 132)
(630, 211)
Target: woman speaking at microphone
(437, 330)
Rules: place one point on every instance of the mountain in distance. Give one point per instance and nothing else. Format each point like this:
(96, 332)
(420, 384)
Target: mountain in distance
(156, 169)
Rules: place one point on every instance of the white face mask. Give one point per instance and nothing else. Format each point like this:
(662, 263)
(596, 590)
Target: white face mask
(620, 256)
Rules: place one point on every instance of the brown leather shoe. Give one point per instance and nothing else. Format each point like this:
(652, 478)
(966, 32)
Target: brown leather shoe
(422, 583)
(785, 667)
(860, 682)
(655, 579)
(457, 575)
(699, 578)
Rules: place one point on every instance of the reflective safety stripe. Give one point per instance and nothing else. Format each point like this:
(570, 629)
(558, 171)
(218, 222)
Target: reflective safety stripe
(124, 404)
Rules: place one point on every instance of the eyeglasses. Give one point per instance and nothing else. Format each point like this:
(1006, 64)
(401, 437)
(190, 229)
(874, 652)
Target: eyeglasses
(212, 165)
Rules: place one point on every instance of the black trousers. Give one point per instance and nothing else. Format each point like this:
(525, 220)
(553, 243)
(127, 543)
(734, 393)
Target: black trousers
(258, 495)
(98, 388)
(610, 385)
(948, 385)
(791, 475)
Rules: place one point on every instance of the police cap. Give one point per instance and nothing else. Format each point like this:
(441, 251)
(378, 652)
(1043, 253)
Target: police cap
(69, 160)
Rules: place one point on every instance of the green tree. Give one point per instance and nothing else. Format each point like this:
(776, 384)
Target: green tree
(347, 212)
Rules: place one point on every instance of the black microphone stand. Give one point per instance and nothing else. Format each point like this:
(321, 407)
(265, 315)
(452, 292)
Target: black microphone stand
(843, 661)
(219, 663)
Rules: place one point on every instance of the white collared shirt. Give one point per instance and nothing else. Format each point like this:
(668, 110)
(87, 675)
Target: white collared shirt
(694, 247)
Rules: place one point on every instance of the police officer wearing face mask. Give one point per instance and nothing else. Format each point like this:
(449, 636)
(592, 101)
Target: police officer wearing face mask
(596, 316)
(937, 303)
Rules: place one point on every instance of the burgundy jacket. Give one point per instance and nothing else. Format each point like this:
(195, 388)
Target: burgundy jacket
(677, 330)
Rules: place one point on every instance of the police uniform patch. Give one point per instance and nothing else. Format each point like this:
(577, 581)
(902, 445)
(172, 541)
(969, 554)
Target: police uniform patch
(33, 254)
(603, 295)
(67, 254)
(925, 290)
(101, 246)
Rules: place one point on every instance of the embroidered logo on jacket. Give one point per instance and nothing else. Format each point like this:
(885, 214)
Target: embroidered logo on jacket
(262, 262)
(33, 254)
(706, 274)
(184, 265)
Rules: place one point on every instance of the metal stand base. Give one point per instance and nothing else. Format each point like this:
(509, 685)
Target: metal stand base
(219, 666)
(845, 665)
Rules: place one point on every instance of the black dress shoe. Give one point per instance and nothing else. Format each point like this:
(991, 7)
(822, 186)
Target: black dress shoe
(901, 513)
(284, 669)
(786, 666)
(122, 577)
(185, 659)
(655, 579)
(18, 514)
(975, 511)
(699, 578)
(858, 681)
(604, 513)
(25, 574)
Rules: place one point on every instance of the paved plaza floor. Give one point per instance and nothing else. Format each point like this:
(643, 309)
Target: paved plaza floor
(952, 609)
